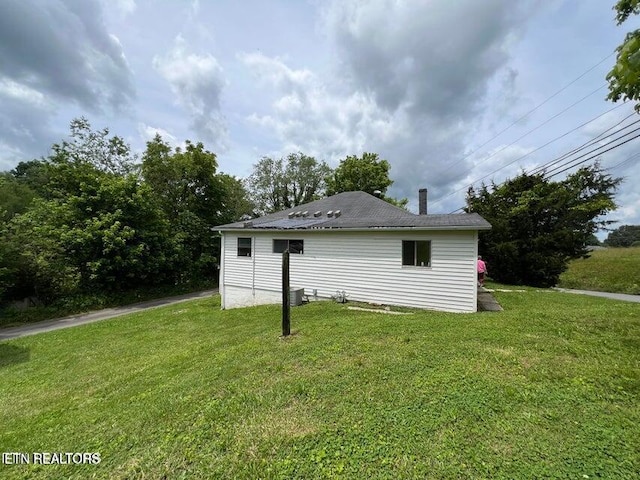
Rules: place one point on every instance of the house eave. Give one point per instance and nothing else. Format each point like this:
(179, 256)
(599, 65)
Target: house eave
(359, 229)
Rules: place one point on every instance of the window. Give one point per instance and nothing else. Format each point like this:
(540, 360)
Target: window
(416, 253)
(244, 247)
(294, 246)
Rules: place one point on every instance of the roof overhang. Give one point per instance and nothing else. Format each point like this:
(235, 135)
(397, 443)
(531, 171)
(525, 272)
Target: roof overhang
(358, 229)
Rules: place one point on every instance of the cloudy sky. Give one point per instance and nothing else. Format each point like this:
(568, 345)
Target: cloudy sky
(449, 92)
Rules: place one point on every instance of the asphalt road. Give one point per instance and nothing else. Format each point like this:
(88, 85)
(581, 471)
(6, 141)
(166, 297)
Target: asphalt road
(72, 321)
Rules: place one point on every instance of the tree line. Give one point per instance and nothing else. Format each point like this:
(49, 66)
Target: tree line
(92, 216)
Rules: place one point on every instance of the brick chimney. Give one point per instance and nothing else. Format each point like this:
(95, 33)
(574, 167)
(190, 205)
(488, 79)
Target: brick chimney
(422, 201)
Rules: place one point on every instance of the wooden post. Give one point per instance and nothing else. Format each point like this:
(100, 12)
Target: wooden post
(286, 295)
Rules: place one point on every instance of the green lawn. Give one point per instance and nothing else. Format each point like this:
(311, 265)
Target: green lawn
(611, 270)
(549, 388)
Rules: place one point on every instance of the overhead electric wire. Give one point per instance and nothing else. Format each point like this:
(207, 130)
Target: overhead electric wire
(571, 131)
(540, 126)
(533, 109)
(575, 163)
(586, 144)
(529, 153)
(596, 155)
(571, 152)
(625, 161)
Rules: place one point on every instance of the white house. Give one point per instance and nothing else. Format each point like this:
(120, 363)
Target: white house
(357, 243)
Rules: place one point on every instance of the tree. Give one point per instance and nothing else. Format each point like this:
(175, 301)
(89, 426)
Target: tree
(236, 203)
(539, 225)
(108, 154)
(624, 77)
(368, 173)
(195, 198)
(15, 196)
(110, 235)
(276, 185)
(89, 224)
(623, 236)
(183, 179)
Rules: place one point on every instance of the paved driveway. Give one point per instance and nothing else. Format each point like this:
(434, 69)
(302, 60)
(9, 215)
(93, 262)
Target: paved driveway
(615, 296)
(72, 321)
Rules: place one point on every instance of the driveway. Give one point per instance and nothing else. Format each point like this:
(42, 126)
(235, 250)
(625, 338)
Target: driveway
(72, 321)
(615, 296)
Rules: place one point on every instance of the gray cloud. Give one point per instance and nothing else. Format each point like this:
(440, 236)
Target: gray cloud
(54, 53)
(434, 57)
(197, 82)
(411, 80)
(435, 61)
(62, 49)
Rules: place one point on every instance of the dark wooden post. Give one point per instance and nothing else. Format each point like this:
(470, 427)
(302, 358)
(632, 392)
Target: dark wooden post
(286, 295)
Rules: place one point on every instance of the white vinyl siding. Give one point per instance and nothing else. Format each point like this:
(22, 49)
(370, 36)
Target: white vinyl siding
(367, 265)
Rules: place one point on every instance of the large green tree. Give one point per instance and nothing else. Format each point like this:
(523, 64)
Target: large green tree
(624, 77)
(538, 225)
(195, 198)
(90, 226)
(110, 235)
(623, 236)
(278, 184)
(367, 173)
(236, 202)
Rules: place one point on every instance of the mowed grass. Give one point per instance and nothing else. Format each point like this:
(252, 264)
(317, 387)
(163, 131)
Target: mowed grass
(612, 270)
(549, 388)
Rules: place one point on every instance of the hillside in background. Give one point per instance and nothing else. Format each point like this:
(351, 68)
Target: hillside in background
(610, 270)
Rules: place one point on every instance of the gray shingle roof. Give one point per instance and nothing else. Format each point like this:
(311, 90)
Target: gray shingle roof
(358, 210)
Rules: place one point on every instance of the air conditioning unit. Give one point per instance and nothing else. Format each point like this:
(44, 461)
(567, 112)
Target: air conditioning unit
(295, 296)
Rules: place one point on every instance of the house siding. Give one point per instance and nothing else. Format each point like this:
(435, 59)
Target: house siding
(366, 265)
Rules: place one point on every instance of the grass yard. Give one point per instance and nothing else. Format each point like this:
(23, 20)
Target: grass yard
(549, 388)
(612, 270)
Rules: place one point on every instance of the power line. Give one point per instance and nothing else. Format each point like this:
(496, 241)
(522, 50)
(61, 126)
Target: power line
(596, 155)
(569, 132)
(534, 109)
(529, 153)
(626, 161)
(544, 168)
(573, 162)
(539, 126)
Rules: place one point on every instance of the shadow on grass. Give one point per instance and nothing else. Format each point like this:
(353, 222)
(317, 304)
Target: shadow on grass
(11, 355)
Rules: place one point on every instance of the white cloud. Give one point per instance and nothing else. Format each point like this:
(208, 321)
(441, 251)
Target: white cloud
(23, 93)
(148, 133)
(315, 117)
(197, 82)
(274, 71)
(125, 7)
